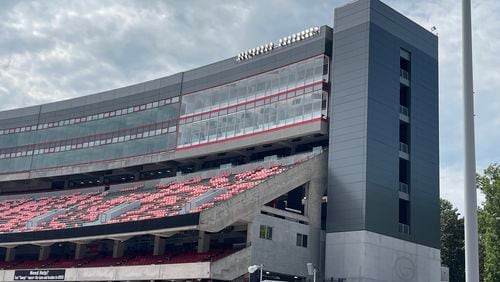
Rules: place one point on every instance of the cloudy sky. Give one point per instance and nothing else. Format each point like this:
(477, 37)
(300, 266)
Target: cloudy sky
(53, 50)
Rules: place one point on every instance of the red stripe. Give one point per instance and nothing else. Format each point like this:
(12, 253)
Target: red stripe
(253, 134)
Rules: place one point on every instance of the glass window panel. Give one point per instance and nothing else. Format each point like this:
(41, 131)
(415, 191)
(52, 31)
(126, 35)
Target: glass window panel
(212, 130)
(284, 79)
(309, 72)
(196, 133)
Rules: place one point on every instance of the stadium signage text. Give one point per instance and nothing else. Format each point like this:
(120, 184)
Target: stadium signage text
(287, 40)
(36, 275)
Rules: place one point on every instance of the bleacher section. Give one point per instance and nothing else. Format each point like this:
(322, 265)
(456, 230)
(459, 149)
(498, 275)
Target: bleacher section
(168, 197)
(104, 261)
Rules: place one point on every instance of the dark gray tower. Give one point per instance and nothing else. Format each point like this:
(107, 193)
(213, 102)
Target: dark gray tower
(383, 194)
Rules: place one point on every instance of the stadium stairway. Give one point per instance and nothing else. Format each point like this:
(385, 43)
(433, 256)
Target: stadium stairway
(244, 205)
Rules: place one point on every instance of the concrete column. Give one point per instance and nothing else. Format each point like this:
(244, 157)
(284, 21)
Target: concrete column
(159, 246)
(44, 252)
(118, 248)
(80, 250)
(10, 254)
(203, 242)
(316, 189)
(250, 232)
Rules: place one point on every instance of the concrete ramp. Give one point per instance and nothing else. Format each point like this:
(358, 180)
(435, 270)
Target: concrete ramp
(118, 210)
(202, 199)
(36, 221)
(231, 267)
(244, 205)
(114, 213)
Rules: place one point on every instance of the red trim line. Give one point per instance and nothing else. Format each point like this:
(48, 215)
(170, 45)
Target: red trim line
(253, 134)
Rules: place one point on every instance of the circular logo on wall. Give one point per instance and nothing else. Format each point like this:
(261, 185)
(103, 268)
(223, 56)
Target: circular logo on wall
(405, 268)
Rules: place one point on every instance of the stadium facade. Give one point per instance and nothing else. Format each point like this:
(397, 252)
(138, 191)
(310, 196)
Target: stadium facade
(319, 148)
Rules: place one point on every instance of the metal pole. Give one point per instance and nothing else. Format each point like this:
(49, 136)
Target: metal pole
(314, 275)
(471, 233)
(261, 270)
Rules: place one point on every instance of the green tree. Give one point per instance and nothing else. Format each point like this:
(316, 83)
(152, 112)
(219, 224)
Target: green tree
(481, 225)
(452, 241)
(489, 218)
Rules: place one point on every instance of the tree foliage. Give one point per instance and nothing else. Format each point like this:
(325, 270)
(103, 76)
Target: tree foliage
(489, 219)
(452, 241)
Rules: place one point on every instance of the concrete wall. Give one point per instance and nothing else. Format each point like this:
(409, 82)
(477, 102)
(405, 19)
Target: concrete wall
(200, 270)
(232, 266)
(367, 256)
(281, 253)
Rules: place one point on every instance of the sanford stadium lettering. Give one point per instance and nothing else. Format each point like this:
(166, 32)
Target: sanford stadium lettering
(32, 275)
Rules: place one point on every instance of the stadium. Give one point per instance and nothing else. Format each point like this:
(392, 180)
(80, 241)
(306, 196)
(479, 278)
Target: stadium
(320, 148)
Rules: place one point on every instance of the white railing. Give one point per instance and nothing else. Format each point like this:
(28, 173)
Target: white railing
(404, 148)
(404, 110)
(403, 187)
(404, 228)
(404, 74)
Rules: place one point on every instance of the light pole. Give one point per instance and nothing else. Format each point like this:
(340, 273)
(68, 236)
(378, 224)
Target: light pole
(253, 268)
(471, 235)
(311, 270)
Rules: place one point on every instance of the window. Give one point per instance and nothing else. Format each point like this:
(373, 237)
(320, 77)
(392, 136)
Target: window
(266, 232)
(301, 240)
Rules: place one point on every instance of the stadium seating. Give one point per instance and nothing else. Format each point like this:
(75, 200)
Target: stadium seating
(105, 261)
(79, 209)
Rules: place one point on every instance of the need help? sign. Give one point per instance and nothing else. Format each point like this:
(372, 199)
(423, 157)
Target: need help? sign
(39, 274)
